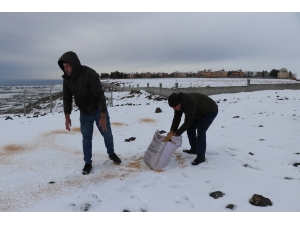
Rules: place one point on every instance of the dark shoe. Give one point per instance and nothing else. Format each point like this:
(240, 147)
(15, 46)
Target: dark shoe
(115, 158)
(198, 161)
(86, 169)
(189, 151)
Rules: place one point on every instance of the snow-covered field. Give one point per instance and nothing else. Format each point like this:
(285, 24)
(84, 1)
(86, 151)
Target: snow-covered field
(252, 147)
(196, 82)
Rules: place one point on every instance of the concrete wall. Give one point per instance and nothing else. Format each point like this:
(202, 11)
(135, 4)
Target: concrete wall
(209, 90)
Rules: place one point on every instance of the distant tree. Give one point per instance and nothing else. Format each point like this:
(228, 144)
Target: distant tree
(229, 73)
(291, 74)
(104, 76)
(274, 73)
(117, 75)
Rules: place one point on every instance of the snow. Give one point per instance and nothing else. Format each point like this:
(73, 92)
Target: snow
(41, 162)
(196, 82)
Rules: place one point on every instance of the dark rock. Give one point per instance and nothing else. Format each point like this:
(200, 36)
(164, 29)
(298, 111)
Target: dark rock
(288, 178)
(160, 98)
(51, 182)
(127, 140)
(125, 210)
(86, 207)
(259, 200)
(36, 116)
(230, 206)
(261, 139)
(132, 138)
(236, 117)
(261, 126)
(216, 194)
(250, 153)
(296, 164)
(158, 110)
(162, 132)
(8, 118)
(17, 115)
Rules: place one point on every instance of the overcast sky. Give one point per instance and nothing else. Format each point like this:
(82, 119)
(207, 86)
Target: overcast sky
(31, 43)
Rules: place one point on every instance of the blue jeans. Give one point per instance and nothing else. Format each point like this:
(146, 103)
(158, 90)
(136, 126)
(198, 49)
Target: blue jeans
(198, 143)
(87, 128)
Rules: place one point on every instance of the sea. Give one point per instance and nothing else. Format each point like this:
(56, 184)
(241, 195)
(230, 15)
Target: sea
(28, 82)
(13, 92)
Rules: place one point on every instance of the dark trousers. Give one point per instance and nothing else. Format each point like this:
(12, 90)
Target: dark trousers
(198, 142)
(87, 127)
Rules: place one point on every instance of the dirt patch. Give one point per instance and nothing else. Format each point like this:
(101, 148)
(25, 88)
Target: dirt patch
(118, 124)
(57, 132)
(180, 159)
(76, 129)
(14, 148)
(147, 120)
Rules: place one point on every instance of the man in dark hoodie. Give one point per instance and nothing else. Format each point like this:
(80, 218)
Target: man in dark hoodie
(84, 84)
(200, 111)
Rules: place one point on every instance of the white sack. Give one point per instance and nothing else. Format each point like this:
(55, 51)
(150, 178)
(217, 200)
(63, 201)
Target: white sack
(159, 153)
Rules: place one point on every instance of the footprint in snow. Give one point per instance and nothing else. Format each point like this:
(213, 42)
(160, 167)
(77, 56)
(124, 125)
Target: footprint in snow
(85, 207)
(179, 185)
(185, 174)
(93, 197)
(229, 153)
(143, 207)
(185, 200)
(154, 182)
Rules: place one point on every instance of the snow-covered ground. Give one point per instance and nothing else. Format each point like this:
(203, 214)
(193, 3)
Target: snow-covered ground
(196, 82)
(252, 147)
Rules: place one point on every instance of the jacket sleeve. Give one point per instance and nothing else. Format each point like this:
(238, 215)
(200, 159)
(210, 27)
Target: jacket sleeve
(188, 119)
(97, 91)
(67, 98)
(176, 120)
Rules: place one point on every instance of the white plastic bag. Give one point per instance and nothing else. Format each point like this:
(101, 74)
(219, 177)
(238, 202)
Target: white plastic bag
(159, 153)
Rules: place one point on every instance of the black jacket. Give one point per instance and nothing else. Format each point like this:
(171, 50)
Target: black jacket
(84, 84)
(194, 106)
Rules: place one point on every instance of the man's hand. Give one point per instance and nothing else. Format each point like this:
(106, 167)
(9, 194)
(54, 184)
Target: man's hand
(169, 136)
(68, 122)
(102, 122)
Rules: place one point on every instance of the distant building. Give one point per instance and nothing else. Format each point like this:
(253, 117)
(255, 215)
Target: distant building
(161, 74)
(283, 74)
(237, 73)
(262, 74)
(204, 73)
(146, 75)
(130, 75)
(220, 73)
(180, 74)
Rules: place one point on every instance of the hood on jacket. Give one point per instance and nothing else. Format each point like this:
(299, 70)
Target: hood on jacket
(70, 58)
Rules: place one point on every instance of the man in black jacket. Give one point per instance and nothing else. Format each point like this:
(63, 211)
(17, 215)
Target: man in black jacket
(200, 111)
(83, 83)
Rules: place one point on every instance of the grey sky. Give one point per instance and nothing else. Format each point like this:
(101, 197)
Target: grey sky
(31, 43)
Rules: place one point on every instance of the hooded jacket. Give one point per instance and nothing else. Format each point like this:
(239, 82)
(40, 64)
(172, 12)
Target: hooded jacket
(194, 106)
(84, 84)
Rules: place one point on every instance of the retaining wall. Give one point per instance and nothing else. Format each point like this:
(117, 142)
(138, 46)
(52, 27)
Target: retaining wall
(208, 90)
